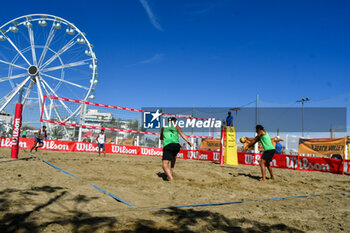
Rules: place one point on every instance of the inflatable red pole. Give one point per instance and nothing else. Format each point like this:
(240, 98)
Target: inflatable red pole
(222, 146)
(344, 157)
(16, 131)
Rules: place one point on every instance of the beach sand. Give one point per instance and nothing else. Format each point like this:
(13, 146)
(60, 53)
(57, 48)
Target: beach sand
(35, 197)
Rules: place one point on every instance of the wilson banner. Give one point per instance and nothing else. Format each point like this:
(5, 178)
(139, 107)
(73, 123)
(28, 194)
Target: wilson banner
(279, 161)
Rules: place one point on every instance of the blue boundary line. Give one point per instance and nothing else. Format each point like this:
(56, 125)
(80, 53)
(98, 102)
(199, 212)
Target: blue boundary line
(74, 176)
(256, 200)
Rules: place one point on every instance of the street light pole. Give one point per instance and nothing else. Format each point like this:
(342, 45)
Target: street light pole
(302, 113)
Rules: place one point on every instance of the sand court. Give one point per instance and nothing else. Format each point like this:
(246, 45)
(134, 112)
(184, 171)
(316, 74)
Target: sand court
(37, 196)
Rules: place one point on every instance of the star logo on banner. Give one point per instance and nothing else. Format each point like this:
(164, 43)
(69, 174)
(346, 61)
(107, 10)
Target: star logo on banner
(156, 115)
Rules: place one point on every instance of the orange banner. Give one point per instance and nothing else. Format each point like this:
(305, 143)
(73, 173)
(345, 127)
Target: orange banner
(129, 142)
(213, 144)
(322, 146)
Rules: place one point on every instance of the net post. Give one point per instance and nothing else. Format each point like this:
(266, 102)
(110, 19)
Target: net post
(16, 131)
(79, 135)
(298, 158)
(42, 108)
(82, 121)
(222, 146)
(345, 154)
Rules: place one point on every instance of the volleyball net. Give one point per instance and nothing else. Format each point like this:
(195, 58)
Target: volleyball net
(71, 119)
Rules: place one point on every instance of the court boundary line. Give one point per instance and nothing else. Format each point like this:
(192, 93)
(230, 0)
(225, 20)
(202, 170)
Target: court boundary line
(76, 177)
(247, 201)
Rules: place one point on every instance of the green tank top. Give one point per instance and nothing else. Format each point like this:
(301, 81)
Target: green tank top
(170, 135)
(266, 142)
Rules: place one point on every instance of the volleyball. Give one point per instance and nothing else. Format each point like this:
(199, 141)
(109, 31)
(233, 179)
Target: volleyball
(242, 139)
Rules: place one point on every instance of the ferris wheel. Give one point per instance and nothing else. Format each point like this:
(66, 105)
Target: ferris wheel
(41, 55)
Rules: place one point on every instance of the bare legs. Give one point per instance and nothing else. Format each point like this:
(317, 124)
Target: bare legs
(103, 150)
(33, 147)
(173, 161)
(263, 165)
(270, 170)
(169, 170)
(36, 147)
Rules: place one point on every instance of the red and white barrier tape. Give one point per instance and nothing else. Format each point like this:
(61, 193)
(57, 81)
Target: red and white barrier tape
(112, 129)
(120, 108)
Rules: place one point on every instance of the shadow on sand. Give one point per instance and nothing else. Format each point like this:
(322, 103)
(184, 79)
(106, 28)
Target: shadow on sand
(17, 219)
(23, 215)
(163, 176)
(14, 160)
(191, 220)
(247, 175)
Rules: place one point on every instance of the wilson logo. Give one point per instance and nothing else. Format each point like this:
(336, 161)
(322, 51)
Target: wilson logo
(255, 160)
(151, 151)
(16, 128)
(203, 157)
(123, 150)
(216, 156)
(86, 147)
(51, 145)
(7, 142)
(304, 164)
(251, 159)
(180, 155)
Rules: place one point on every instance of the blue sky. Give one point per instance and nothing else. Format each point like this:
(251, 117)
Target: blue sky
(212, 53)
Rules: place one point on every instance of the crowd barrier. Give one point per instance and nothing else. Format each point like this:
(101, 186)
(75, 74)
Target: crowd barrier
(279, 161)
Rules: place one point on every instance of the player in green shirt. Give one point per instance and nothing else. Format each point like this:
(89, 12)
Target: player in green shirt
(171, 146)
(269, 150)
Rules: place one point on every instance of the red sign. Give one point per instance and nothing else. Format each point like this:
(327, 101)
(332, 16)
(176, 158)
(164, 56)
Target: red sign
(305, 163)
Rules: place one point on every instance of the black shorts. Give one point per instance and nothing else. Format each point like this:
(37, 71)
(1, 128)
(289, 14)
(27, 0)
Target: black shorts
(268, 155)
(170, 151)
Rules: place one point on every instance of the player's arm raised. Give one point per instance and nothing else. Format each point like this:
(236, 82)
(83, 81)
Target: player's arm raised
(179, 130)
